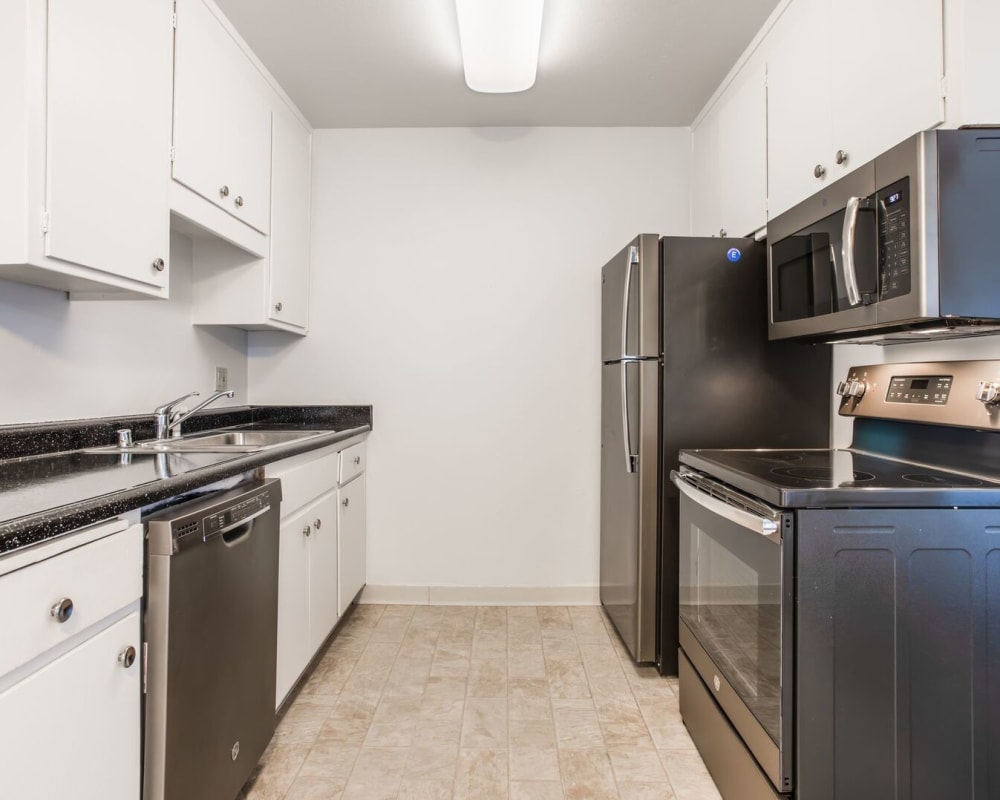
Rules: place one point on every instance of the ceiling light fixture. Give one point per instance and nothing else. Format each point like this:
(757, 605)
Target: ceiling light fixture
(500, 41)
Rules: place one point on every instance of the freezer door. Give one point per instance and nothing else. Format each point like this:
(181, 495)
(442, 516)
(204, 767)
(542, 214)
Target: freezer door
(630, 301)
(629, 502)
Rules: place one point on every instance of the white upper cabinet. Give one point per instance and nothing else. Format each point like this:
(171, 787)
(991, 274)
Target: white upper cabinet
(222, 119)
(85, 145)
(799, 137)
(729, 188)
(847, 80)
(887, 67)
(288, 301)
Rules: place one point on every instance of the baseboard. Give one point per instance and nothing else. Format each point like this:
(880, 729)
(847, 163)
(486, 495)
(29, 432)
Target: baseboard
(482, 595)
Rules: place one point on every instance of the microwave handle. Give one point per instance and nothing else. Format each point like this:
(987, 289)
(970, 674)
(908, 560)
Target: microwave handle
(848, 240)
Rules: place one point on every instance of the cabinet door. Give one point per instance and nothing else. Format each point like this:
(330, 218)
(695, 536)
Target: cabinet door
(798, 104)
(294, 649)
(351, 530)
(222, 121)
(886, 84)
(742, 152)
(706, 205)
(290, 206)
(72, 728)
(108, 135)
(323, 613)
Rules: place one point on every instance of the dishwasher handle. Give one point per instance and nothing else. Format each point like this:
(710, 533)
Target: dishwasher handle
(246, 522)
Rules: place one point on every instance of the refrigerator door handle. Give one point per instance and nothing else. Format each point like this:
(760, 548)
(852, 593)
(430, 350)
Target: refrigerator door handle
(633, 259)
(631, 459)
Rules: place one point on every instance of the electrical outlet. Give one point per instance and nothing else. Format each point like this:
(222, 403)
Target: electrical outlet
(221, 379)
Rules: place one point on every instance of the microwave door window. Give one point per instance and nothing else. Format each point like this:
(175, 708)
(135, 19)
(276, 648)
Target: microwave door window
(804, 276)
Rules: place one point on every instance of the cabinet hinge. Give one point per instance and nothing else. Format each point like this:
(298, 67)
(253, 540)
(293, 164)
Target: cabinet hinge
(173, 153)
(944, 86)
(173, 18)
(45, 222)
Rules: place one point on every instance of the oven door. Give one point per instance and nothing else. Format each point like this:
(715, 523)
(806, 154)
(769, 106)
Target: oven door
(736, 613)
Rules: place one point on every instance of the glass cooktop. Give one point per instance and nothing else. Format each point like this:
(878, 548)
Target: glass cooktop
(835, 478)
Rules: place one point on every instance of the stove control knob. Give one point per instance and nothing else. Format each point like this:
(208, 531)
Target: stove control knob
(988, 392)
(852, 387)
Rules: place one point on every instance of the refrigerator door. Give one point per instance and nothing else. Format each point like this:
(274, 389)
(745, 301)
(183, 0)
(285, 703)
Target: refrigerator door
(630, 502)
(724, 384)
(630, 302)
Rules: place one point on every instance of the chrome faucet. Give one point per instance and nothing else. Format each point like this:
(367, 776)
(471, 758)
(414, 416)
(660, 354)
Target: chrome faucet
(165, 414)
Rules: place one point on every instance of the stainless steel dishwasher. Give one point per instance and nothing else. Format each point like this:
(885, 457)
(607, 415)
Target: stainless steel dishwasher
(210, 642)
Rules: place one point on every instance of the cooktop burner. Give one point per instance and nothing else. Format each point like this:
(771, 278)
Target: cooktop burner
(941, 480)
(822, 474)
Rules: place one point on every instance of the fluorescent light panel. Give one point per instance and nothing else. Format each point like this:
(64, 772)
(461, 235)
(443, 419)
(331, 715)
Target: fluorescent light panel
(500, 41)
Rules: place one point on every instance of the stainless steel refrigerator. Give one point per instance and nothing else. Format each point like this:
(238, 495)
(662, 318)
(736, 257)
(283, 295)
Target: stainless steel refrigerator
(686, 363)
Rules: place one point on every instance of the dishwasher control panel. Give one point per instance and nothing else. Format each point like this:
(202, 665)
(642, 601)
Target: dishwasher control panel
(234, 514)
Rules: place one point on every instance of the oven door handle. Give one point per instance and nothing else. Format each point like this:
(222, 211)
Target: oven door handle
(745, 519)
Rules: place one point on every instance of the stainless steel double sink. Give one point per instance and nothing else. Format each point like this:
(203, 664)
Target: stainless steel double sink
(230, 441)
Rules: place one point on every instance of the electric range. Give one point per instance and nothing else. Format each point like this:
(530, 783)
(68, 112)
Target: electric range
(840, 629)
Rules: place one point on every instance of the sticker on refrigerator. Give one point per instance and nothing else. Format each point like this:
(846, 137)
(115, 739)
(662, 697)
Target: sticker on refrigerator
(734, 254)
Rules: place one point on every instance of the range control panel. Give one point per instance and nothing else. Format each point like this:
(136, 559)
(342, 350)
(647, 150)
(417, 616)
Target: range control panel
(930, 390)
(958, 393)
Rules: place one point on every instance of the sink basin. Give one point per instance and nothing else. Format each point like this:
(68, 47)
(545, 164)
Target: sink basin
(222, 442)
(255, 439)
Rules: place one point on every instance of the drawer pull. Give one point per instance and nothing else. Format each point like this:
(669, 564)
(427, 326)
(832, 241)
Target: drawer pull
(127, 657)
(346, 502)
(307, 530)
(318, 524)
(357, 459)
(62, 610)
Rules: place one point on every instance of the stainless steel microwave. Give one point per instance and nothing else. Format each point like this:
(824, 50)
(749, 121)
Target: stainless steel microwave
(905, 247)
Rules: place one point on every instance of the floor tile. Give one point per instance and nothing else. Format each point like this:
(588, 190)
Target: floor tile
(480, 703)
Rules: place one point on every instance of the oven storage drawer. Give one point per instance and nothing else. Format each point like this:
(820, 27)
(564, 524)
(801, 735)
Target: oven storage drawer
(732, 767)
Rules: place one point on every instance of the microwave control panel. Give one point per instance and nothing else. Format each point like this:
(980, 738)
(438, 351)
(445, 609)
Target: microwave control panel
(894, 240)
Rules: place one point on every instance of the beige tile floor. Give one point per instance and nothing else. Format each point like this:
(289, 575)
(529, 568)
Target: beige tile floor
(524, 703)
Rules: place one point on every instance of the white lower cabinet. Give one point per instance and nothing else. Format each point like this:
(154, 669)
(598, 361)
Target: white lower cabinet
(71, 667)
(321, 562)
(71, 729)
(351, 524)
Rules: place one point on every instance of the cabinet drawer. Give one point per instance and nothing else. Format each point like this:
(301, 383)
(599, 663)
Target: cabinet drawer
(352, 462)
(304, 478)
(97, 578)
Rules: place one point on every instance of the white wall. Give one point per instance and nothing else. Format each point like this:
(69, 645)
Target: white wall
(67, 360)
(456, 286)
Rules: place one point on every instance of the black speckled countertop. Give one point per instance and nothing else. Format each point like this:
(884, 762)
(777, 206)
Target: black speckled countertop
(50, 484)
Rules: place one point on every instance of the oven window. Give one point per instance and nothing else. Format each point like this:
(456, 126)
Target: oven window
(731, 600)
(807, 270)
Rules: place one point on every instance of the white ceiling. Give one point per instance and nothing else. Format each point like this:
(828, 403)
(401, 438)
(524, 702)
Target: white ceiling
(397, 63)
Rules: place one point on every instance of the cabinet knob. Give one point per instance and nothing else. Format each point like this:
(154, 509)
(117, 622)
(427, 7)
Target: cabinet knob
(239, 201)
(318, 523)
(62, 610)
(841, 156)
(307, 530)
(278, 306)
(159, 265)
(127, 657)
(722, 233)
(224, 191)
(357, 459)
(819, 171)
(346, 502)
